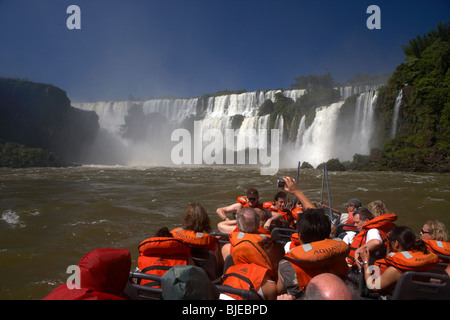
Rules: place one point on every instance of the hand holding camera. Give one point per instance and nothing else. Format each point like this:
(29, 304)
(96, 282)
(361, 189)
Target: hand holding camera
(281, 183)
(287, 184)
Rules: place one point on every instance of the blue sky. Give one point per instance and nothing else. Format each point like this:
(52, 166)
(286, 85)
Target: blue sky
(186, 48)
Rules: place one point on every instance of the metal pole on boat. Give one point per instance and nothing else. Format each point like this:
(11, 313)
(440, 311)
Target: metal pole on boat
(296, 180)
(321, 190)
(329, 196)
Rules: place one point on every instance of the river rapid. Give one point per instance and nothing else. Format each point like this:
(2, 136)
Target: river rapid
(51, 217)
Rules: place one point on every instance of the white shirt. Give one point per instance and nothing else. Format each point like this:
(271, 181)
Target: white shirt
(371, 235)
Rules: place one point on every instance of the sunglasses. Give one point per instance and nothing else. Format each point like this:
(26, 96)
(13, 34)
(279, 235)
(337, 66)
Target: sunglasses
(422, 231)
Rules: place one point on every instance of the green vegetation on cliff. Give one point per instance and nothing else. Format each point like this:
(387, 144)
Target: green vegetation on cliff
(15, 155)
(422, 142)
(40, 116)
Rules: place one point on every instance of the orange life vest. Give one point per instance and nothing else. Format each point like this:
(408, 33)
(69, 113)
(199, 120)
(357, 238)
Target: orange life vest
(383, 223)
(296, 212)
(295, 241)
(237, 237)
(408, 261)
(438, 247)
(198, 240)
(158, 254)
(246, 276)
(311, 259)
(261, 229)
(350, 220)
(243, 200)
(247, 251)
(287, 214)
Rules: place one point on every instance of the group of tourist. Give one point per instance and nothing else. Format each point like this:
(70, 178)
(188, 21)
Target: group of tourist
(314, 264)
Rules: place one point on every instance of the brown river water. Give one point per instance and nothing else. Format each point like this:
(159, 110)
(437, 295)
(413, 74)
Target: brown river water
(51, 217)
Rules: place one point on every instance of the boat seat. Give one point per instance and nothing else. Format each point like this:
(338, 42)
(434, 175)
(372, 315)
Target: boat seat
(228, 263)
(136, 291)
(340, 232)
(222, 237)
(444, 262)
(206, 259)
(244, 294)
(282, 235)
(422, 286)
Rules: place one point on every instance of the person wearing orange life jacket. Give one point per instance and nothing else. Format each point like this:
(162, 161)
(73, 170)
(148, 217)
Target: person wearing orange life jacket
(352, 205)
(435, 235)
(404, 254)
(161, 252)
(195, 231)
(373, 235)
(231, 225)
(291, 187)
(316, 254)
(434, 230)
(279, 210)
(296, 211)
(255, 269)
(251, 200)
(247, 229)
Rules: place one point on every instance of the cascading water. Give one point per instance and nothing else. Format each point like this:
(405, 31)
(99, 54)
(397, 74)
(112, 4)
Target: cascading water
(139, 132)
(363, 124)
(324, 139)
(317, 142)
(300, 132)
(398, 102)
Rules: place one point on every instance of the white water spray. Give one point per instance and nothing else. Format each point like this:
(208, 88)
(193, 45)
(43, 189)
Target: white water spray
(398, 102)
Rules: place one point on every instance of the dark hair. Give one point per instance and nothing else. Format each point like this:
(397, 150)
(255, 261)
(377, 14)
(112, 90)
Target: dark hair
(407, 239)
(364, 213)
(313, 225)
(280, 194)
(163, 232)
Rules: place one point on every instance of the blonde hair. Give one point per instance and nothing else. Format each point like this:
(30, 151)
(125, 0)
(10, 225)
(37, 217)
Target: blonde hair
(377, 208)
(438, 231)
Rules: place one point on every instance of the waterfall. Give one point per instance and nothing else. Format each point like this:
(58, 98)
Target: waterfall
(279, 124)
(317, 141)
(300, 132)
(325, 139)
(363, 123)
(398, 102)
(348, 91)
(141, 132)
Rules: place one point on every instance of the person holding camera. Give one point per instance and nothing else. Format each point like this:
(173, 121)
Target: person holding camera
(291, 187)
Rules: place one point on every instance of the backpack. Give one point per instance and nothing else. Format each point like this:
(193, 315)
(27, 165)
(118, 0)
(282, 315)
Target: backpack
(187, 282)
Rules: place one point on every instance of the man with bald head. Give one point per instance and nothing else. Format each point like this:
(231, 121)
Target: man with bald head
(325, 286)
